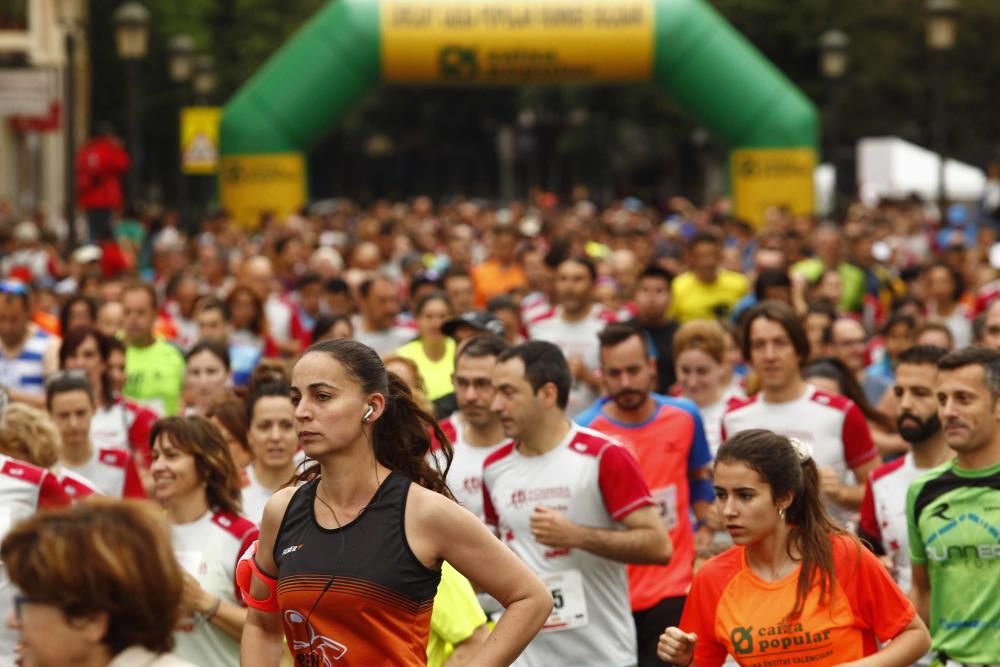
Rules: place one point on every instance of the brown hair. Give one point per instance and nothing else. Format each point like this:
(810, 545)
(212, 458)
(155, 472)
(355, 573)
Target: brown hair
(419, 391)
(201, 439)
(139, 286)
(402, 437)
(783, 314)
(705, 335)
(232, 414)
(106, 556)
(30, 435)
(778, 462)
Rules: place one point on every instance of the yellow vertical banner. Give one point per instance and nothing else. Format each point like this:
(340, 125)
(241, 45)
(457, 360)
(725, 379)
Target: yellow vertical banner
(516, 41)
(762, 178)
(254, 184)
(200, 139)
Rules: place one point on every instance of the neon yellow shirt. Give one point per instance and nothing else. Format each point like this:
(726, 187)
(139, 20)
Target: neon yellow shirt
(436, 374)
(692, 299)
(456, 616)
(154, 376)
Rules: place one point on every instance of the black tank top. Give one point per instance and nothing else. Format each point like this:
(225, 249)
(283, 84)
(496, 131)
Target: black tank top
(354, 595)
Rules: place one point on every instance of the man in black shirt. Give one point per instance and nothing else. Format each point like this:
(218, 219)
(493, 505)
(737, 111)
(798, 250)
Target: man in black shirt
(652, 298)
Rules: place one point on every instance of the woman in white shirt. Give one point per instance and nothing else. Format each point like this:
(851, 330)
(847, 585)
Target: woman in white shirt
(703, 374)
(196, 481)
(274, 445)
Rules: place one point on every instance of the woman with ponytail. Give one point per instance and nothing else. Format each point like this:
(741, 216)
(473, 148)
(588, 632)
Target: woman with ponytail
(349, 560)
(795, 588)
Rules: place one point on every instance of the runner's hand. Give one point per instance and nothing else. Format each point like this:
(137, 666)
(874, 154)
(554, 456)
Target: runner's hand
(551, 528)
(676, 646)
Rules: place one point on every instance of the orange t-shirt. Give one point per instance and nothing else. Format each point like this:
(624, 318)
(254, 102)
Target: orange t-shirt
(734, 611)
(491, 279)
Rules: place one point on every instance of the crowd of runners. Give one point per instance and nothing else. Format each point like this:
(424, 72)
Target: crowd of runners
(548, 433)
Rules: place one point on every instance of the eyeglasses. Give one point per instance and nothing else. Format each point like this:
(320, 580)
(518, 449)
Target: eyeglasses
(19, 601)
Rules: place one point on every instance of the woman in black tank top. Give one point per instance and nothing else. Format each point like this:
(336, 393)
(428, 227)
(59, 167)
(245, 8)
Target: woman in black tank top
(356, 549)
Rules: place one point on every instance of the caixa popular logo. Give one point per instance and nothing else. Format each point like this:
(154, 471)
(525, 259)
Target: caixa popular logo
(742, 640)
(458, 62)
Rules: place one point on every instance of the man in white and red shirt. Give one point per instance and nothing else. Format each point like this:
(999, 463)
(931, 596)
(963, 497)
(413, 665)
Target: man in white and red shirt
(70, 401)
(474, 430)
(572, 504)
(573, 325)
(883, 511)
(833, 427)
(24, 490)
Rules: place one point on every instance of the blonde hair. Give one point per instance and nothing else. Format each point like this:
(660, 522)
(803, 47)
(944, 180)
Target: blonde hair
(705, 335)
(420, 390)
(29, 434)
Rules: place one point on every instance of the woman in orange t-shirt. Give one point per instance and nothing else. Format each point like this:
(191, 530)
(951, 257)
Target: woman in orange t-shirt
(795, 589)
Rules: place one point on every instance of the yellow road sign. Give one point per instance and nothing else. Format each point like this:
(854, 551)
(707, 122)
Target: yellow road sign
(200, 139)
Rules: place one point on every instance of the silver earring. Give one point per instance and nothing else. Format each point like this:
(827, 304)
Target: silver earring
(781, 513)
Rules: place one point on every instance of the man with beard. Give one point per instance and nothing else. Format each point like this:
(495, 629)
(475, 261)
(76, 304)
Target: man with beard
(883, 510)
(667, 438)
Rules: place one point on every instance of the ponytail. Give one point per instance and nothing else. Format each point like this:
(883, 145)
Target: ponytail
(811, 529)
(402, 439)
(789, 469)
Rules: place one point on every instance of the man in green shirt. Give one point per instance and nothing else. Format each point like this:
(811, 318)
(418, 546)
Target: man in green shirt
(154, 369)
(953, 516)
(828, 257)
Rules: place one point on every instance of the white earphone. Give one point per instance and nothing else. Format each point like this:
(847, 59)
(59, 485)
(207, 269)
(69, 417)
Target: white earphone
(371, 410)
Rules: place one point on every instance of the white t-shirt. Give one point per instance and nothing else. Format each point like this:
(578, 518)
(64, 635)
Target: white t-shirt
(594, 482)
(883, 512)
(208, 549)
(112, 471)
(575, 339)
(24, 489)
(833, 427)
(465, 476)
(255, 496)
(385, 341)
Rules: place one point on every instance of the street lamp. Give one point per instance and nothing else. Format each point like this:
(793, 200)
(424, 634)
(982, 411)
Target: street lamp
(204, 76)
(941, 23)
(132, 39)
(834, 48)
(180, 51)
(70, 17)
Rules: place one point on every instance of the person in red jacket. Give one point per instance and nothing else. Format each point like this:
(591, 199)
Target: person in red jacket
(100, 164)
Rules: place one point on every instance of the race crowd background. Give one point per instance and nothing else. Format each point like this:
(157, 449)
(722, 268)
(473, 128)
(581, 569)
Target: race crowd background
(103, 341)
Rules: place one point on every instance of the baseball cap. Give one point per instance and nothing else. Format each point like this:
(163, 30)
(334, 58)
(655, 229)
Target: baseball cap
(478, 320)
(88, 253)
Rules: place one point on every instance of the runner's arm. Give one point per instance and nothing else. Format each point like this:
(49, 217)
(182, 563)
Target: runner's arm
(262, 636)
(920, 591)
(439, 526)
(644, 540)
(851, 495)
(903, 650)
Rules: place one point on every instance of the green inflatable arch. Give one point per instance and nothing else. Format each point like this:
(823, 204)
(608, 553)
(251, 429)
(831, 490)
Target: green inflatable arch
(702, 62)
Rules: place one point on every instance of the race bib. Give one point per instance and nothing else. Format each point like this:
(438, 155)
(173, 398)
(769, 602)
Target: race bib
(665, 499)
(569, 603)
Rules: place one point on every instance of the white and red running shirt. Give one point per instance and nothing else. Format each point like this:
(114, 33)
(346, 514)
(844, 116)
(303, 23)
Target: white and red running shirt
(76, 486)
(594, 482)
(832, 427)
(883, 513)
(465, 476)
(24, 489)
(575, 339)
(208, 549)
(112, 471)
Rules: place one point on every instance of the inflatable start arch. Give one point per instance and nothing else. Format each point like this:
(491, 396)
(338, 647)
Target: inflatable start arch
(701, 61)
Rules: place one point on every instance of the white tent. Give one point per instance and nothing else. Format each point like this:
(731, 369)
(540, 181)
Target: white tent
(889, 167)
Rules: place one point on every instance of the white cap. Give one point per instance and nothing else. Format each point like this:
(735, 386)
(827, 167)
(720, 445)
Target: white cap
(88, 253)
(26, 232)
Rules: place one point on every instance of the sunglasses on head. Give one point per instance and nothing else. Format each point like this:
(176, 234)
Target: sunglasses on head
(13, 287)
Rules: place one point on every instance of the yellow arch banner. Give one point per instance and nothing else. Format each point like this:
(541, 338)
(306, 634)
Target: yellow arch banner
(505, 42)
